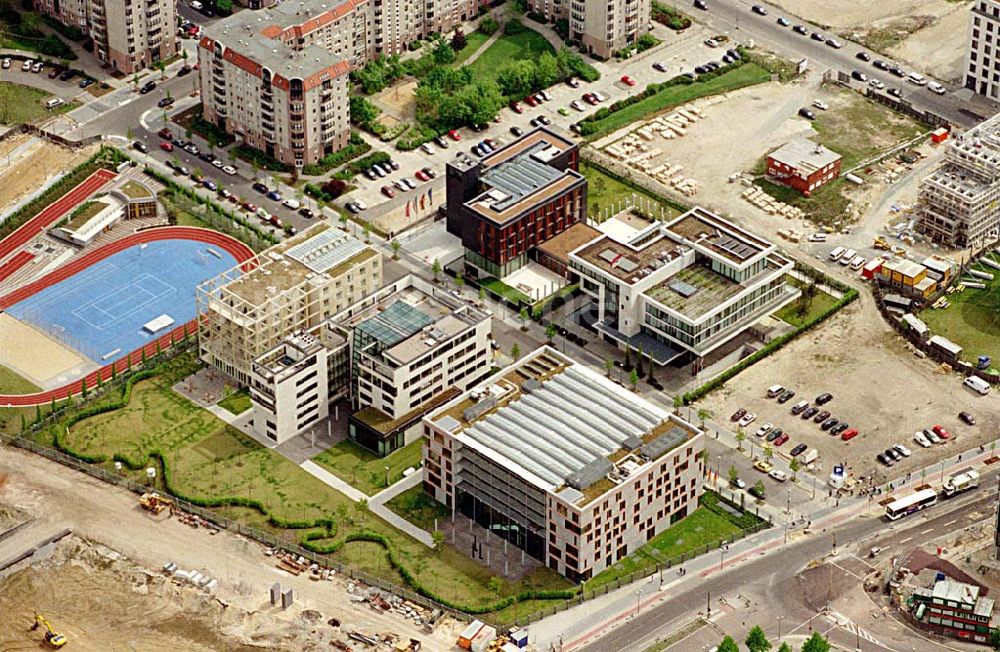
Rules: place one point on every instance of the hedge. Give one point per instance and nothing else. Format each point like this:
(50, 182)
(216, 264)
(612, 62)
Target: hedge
(356, 147)
(415, 137)
(260, 159)
(774, 345)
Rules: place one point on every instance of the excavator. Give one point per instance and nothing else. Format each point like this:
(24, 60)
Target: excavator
(52, 637)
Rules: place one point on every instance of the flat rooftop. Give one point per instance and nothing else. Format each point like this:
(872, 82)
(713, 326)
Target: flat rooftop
(805, 155)
(569, 240)
(382, 423)
(695, 290)
(558, 423)
(501, 203)
(724, 238)
(552, 140)
(626, 261)
(907, 268)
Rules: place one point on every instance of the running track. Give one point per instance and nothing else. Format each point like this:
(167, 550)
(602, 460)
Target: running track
(19, 260)
(239, 251)
(54, 211)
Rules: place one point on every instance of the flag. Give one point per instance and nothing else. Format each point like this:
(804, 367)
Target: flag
(422, 202)
(407, 209)
(430, 195)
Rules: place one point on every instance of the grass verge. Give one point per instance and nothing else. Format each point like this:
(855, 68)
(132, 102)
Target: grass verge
(237, 403)
(473, 42)
(418, 508)
(364, 470)
(26, 104)
(805, 308)
(606, 192)
(12, 382)
(523, 46)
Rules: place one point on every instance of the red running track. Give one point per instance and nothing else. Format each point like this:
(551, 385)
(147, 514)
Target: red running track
(239, 251)
(19, 260)
(54, 211)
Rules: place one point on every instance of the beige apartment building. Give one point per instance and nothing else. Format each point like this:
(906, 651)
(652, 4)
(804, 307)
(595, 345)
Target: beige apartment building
(601, 26)
(293, 286)
(570, 467)
(128, 35)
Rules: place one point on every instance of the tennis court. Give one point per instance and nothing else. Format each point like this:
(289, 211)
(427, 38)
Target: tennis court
(108, 309)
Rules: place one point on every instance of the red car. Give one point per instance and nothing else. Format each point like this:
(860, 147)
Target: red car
(165, 134)
(941, 432)
(531, 101)
(590, 98)
(420, 174)
(849, 434)
(167, 147)
(738, 414)
(388, 192)
(454, 135)
(628, 80)
(780, 439)
(247, 206)
(516, 108)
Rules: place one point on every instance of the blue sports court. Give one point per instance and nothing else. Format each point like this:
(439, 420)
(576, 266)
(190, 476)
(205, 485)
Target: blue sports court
(103, 308)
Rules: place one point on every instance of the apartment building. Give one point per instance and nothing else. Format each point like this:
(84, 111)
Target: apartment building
(982, 62)
(505, 204)
(602, 27)
(129, 35)
(412, 344)
(803, 165)
(566, 465)
(293, 286)
(678, 290)
(959, 203)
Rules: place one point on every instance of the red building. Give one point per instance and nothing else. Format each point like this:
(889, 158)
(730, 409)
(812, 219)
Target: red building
(803, 165)
(507, 203)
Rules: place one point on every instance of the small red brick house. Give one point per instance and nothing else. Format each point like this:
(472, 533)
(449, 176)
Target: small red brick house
(803, 165)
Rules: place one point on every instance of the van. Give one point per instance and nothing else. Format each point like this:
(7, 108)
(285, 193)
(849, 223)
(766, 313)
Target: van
(978, 384)
(817, 237)
(774, 390)
(836, 253)
(847, 257)
(917, 78)
(857, 262)
(53, 103)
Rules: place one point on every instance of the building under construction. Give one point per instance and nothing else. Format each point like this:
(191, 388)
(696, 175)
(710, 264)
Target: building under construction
(958, 201)
(293, 286)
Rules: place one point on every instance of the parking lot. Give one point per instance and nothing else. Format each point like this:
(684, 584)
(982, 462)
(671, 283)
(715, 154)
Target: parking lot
(66, 90)
(879, 387)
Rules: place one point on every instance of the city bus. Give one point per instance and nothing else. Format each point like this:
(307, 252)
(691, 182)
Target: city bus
(912, 503)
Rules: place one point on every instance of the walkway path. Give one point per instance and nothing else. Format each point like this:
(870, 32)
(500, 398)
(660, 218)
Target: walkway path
(318, 472)
(485, 46)
(387, 494)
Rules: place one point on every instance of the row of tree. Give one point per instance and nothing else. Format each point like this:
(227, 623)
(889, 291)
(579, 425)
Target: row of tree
(756, 641)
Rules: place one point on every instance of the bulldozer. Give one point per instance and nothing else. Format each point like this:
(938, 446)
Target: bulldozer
(52, 637)
(155, 503)
(882, 243)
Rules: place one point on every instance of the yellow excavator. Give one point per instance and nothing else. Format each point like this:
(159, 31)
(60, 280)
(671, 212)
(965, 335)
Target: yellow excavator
(52, 637)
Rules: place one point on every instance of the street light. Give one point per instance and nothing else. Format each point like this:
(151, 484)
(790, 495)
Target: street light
(638, 594)
(779, 629)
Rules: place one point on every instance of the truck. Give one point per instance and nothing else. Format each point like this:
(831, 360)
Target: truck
(962, 481)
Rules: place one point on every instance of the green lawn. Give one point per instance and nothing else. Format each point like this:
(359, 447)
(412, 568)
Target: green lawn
(13, 383)
(512, 294)
(604, 191)
(973, 319)
(528, 45)
(473, 42)
(365, 470)
(795, 315)
(702, 527)
(746, 75)
(237, 402)
(418, 508)
(208, 460)
(25, 104)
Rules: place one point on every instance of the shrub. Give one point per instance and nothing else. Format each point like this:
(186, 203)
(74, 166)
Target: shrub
(334, 188)
(356, 147)
(224, 7)
(514, 26)
(458, 41)
(488, 25)
(260, 159)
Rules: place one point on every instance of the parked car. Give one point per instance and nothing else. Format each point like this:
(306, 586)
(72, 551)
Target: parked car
(26, 66)
(877, 84)
(6, 63)
(757, 9)
(967, 418)
(590, 98)
(746, 419)
(274, 195)
(798, 450)
(84, 83)
(165, 102)
(829, 423)
(935, 87)
(260, 187)
(774, 434)
(816, 36)
(763, 466)
(810, 412)
(807, 114)
(849, 434)
(140, 146)
(388, 191)
(167, 146)
(881, 65)
(291, 203)
(860, 76)
(308, 213)
(821, 105)
(249, 207)
(902, 450)
(737, 415)
(941, 432)
(781, 439)
(427, 149)
(737, 483)
(454, 135)
(885, 459)
(864, 56)
(763, 430)
(800, 29)
(421, 175)
(516, 108)
(824, 398)
(786, 396)
(701, 4)
(760, 493)
(517, 131)
(799, 407)
(148, 87)
(784, 22)
(211, 185)
(921, 439)
(67, 75)
(821, 416)
(573, 82)
(628, 81)
(839, 428)
(441, 142)
(895, 92)
(229, 169)
(778, 475)
(834, 43)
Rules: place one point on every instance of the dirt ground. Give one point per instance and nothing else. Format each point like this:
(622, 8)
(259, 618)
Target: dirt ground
(107, 604)
(879, 387)
(397, 101)
(33, 354)
(32, 163)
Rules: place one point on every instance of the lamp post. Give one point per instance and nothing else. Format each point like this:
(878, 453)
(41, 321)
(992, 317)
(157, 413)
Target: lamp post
(779, 629)
(638, 595)
(387, 476)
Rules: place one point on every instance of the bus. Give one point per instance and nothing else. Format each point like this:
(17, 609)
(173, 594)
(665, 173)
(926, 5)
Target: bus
(912, 503)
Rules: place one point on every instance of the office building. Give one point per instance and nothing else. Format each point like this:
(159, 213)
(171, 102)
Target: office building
(293, 286)
(959, 203)
(803, 165)
(602, 28)
(575, 470)
(982, 62)
(410, 343)
(508, 202)
(128, 35)
(680, 289)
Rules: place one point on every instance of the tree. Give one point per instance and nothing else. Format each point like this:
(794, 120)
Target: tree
(994, 639)
(785, 648)
(515, 352)
(734, 475)
(436, 268)
(550, 331)
(794, 467)
(363, 112)
(488, 25)
(546, 71)
(638, 363)
(517, 79)
(678, 404)
(135, 83)
(759, 488)
(609, 364)
(458, 40)
(162, 67)
(482, 293)
(633, 378)
(443, 54)
(728, 645)
(756, 641)
(366, 228)
(523, 316)
(704, 413)
(224, 7)
(396, 246)
(437, 537)
(361, 507)
(741, 437)
(816, 643)
(768, 452)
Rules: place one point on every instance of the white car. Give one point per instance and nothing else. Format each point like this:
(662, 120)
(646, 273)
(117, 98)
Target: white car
(599, 96)
(6, 62)
(427, 149)
(764, 429)
(820, 104)
(932, 436)
(26, 66)
(921, 439)
(576, 104)
(876, 83)
(196, 5)
(936, 88)
(780, 476)
(747, 419)
(263, 214)
(410, 183)
(292, 204)
(360, 204)
(902, 450)
(545, 96)
(711, 42)
(217, 163)
(229, 169)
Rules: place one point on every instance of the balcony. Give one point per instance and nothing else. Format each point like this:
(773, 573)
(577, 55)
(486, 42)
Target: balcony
(219, 90)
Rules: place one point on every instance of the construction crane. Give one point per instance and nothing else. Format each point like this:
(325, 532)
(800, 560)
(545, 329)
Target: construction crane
(155, 503)
(52, 637)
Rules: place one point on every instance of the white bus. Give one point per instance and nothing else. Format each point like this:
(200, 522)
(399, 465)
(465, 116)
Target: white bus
(912, 503)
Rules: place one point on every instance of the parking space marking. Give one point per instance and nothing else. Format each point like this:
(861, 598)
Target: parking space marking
(906, 539)
(930, 529)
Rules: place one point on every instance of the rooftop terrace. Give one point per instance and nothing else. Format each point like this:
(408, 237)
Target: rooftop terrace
(722, 237)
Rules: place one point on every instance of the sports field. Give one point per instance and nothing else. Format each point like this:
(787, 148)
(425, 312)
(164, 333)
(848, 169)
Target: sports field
(973, 319)
(101, 311)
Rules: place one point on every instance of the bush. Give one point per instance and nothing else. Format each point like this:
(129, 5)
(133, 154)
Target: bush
(224, 7)
(514, 26)
(488, 25)
(458, 41)
(670, 17)
(70, 32)
(356, 147)
(538, 17)
(415, 137)
(645, 42)
(334, 188)
(260, 159)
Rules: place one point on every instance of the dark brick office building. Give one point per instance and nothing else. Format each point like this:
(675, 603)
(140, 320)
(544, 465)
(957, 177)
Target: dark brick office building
(505, 204)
